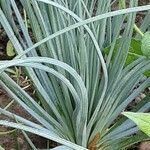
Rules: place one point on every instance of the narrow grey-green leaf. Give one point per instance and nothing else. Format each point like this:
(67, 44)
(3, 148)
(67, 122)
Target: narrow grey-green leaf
(62, 148)
(146, 44)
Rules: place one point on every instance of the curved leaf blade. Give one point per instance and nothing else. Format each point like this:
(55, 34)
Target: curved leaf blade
(146, 44)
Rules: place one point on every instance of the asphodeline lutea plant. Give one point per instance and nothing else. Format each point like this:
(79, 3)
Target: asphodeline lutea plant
(81, 59)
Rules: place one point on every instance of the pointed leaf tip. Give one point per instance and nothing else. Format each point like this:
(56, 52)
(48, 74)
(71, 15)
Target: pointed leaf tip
(141, 119)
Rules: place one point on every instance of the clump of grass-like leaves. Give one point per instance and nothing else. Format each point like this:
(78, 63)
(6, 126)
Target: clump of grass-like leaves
(81, 90)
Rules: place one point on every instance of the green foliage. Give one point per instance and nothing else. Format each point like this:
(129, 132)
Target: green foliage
(134, 51)
(122, 4)
(141, 119)
(10, 49)
(80, 92)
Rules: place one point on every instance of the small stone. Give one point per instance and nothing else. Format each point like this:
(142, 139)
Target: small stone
(145, 146)
(20, 140)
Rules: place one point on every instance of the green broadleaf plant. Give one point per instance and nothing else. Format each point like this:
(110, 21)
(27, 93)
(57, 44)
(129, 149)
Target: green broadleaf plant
(10, 49)
(141, 119)
(80, 92)
(134, 51)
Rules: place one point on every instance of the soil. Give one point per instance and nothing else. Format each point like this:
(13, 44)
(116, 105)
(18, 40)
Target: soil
(16, 139)
(3, 43)
(8, 141)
